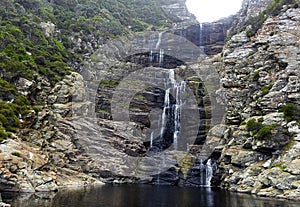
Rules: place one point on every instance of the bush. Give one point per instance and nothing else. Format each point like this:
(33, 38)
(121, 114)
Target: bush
(3, 134)
(254, 126)
(265, 132)
(291, 112)
(9, 116)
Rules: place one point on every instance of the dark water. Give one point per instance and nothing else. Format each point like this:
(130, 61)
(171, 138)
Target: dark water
(142, 196)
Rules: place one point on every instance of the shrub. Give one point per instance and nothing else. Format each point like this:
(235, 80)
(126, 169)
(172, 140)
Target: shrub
(265, 132)
(3, 134)
(254, 126)
(291, 112)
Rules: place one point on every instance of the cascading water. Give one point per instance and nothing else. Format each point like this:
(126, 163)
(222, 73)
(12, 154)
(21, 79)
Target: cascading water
(201, 42)
(161, 58)
(205, 173)
(209, 172)
(160, 35)
(164, 113)
(178, 90)
(174, 88)
(151, 139)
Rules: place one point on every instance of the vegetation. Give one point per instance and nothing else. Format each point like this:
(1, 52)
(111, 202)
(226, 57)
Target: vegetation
(254, 126)
(27, 50)
(18, 154)
(272, 10)
(282, 167)
(260, 131)
(291, 112)
(265, 132)
(289, 145)
(265, 89)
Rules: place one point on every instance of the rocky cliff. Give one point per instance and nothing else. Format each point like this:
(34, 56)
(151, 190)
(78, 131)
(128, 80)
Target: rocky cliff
(260, 76)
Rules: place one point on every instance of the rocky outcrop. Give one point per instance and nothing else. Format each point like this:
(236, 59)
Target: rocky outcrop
(260, 78)
(250, 9)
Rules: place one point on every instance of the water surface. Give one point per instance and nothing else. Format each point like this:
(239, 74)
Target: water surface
(142, 196)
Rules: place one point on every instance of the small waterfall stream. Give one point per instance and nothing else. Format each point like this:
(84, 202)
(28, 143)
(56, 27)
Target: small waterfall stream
(201, 40)
(205, 172)
(177, 89)
(209, 172)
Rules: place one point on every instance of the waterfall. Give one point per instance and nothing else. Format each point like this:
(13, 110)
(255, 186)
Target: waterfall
(201, 42)
(201, 34)
(151, 139)
(151, 57)
(201, 169)
(161, 58)
(177, 89)
(205, 173)
(161, 51)
(159, 40)
(164, 114)
(209, 173)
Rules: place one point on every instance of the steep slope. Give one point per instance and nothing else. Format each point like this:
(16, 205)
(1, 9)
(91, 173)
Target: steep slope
(260, 77)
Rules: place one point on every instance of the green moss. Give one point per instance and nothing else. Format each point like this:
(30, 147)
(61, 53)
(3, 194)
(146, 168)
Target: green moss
(243, 123)
(265, 89)
(109, 83)
(282, 167)
(260, 131)
(3, 133)
(256, 76)
(289, 145)
(185, 164)
(18, 154)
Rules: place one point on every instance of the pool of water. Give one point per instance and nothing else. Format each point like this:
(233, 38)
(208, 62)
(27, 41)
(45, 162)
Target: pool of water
(142, 196)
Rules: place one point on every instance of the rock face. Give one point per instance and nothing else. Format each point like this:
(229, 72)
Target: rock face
(250, 8)
(260, 77)
(210, 36)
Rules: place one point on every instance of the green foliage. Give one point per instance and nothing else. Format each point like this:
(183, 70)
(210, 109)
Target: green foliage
(289, 145)
(254, 126)
(26, 51)
(18, 154)
(3, 134)
(109, 83)
(291, 112)
(256, 76)
(272, 9)
(9, 116)
(9, 92)
(282, 167)
(265, 132)
(260, 131)
(265, 89)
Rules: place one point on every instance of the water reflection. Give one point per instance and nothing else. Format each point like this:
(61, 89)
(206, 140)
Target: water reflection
(142, 196)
